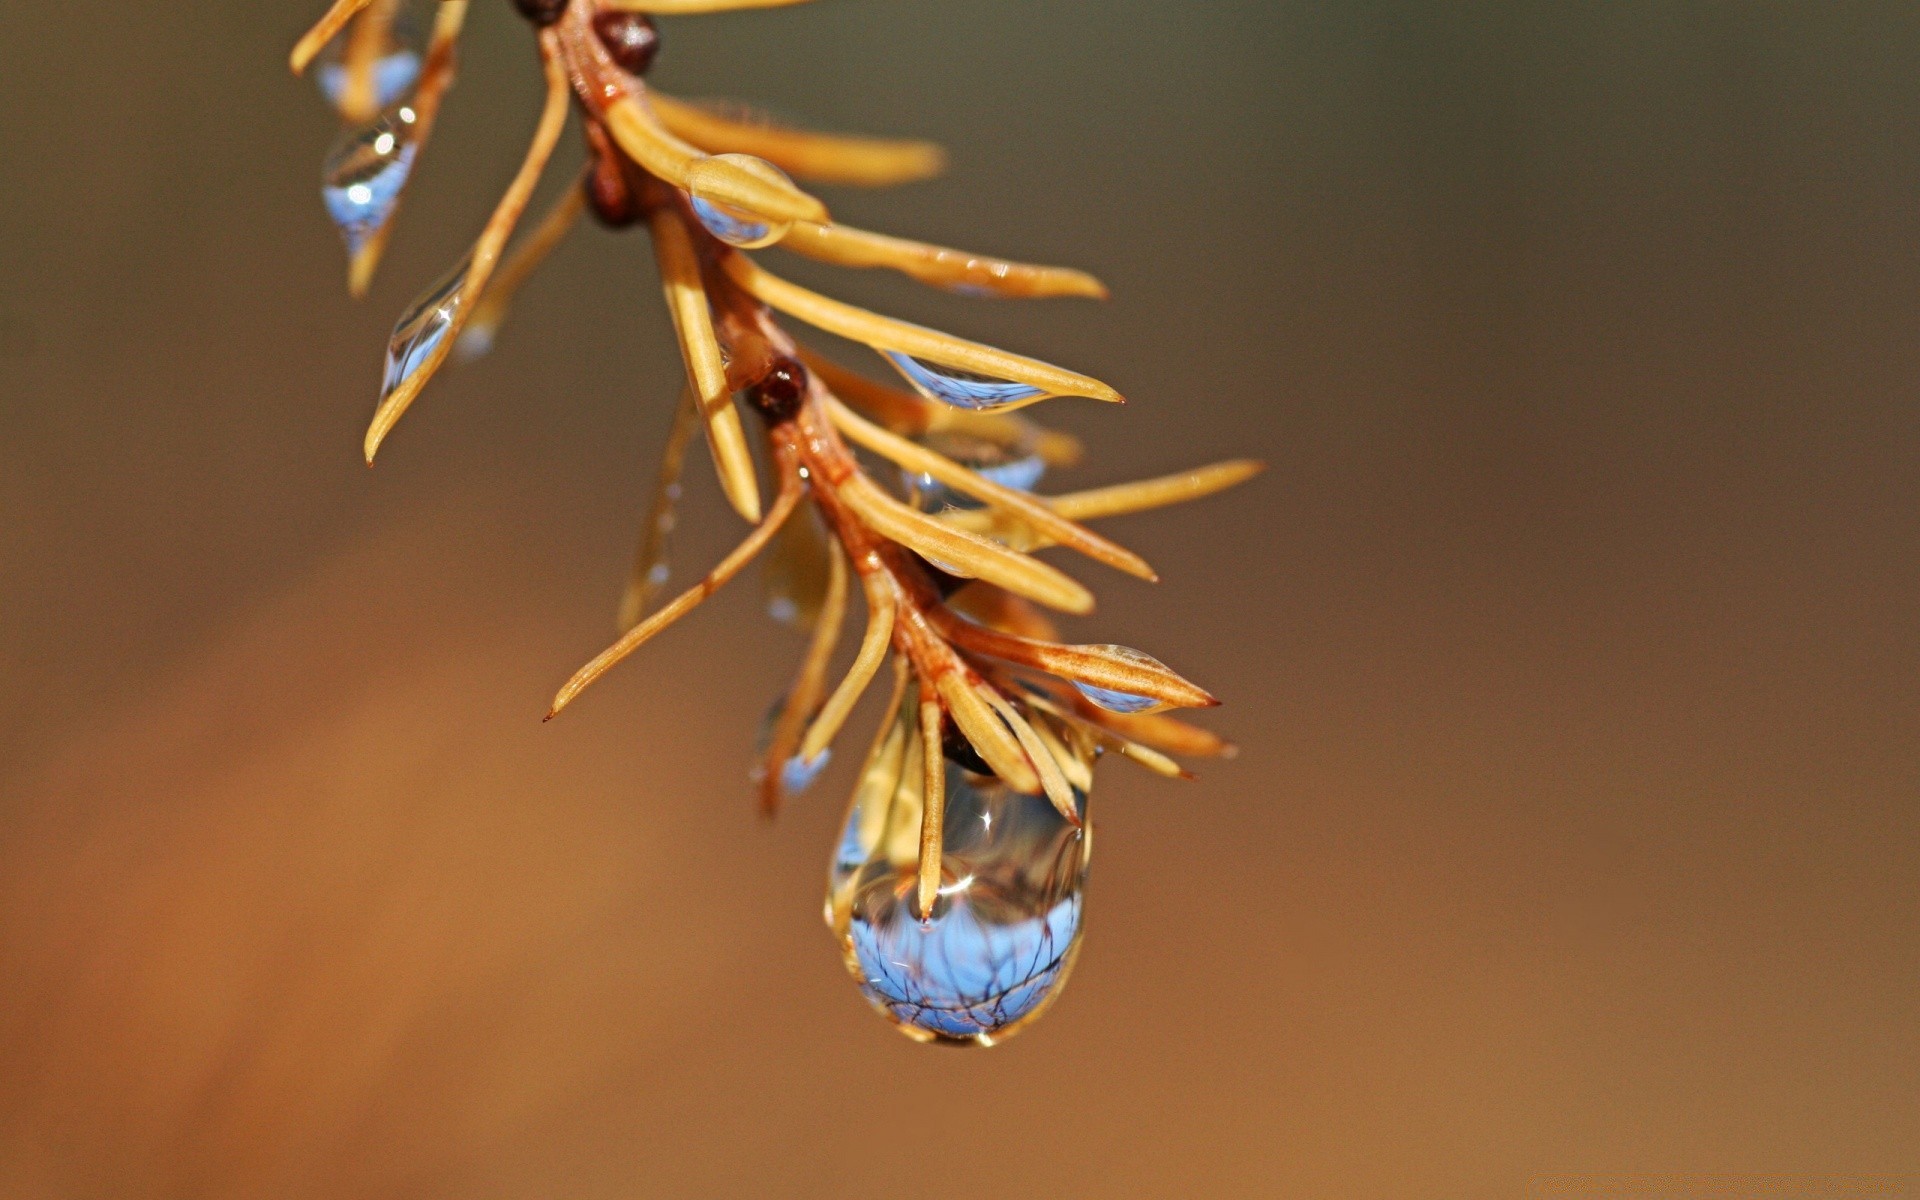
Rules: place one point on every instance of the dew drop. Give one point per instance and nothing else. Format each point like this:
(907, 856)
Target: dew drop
(962, 389)
(423, 327)
(995, 463)
(732, 225)
(1118, 701)
(799, 773)
(366, 171)
(1005, 928)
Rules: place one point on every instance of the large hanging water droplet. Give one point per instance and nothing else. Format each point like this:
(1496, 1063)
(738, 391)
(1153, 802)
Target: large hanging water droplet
(1004, 931)
(992, 462)
(962, 389)
(424, 326)
(732, 225)
(366, 171)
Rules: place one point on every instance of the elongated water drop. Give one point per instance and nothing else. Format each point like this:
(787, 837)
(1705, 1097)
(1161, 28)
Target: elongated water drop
(962, 389)
(1118, 701)
(732, 225)
(366, 171)
(1004, 930)
(992, 462)
(424, 326)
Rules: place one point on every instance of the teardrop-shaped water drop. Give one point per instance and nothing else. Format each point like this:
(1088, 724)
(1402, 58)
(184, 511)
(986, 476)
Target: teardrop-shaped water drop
(1118, 701)
(962, 389)
(366, 171)
(992, 462)
(1003, 933)
(424, 326)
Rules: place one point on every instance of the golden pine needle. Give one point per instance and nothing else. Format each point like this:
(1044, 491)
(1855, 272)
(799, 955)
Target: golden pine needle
(1114, 501)
(845, 246)
(886, 333)
(359, 99)
(328, 27)
(519, 266)
(784, 504)
(984, 730)
(821, 157)
(920, 460)
(933, 809)
(700, 349)
(965, 553)
(1178, 488)
(649, 564)
(1077, 768)
(642, 136)
(486, 250)
(873, 648)
(1052, 781)
(1115, 668)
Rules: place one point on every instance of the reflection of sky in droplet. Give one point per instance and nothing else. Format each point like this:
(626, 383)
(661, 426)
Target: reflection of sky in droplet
(962, 389)
(423, 327)
(1020, 474)
(1112, 701)
(1002, 935)
(799, 773)
(366, 172)
(393, 77)
(730, 228)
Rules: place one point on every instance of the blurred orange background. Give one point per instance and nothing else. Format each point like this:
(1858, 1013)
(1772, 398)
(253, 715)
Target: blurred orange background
(1570, 639)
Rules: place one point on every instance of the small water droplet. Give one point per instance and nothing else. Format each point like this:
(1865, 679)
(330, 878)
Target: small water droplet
(1117, 701)
(423, 327)
(1120, 702)
(962, 389)
(366, 171)
(992, 462)
(734, 226)
(799, 773)
(1003, 933)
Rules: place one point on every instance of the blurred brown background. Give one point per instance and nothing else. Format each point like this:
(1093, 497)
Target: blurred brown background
(1571, 637)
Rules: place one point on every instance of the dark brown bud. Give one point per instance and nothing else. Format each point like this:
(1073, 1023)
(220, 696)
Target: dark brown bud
(541, 12)
(780, 390)
(630, 38)
(609, 196)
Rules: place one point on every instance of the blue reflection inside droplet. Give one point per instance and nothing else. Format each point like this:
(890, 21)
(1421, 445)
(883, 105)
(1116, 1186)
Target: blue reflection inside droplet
(1001, 936)
(1112, 701)
(393, 77)
(735, 231)
(962, 389)
(799, 773)
(366, 172)
(423, 327)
